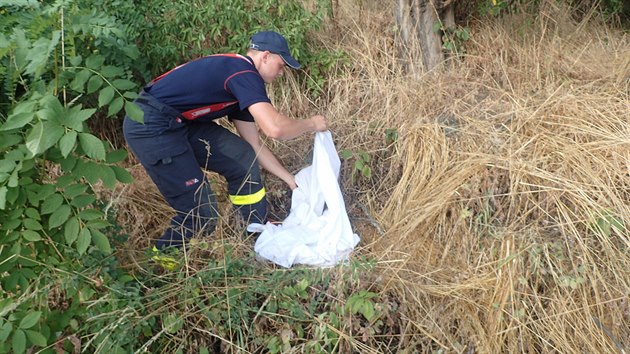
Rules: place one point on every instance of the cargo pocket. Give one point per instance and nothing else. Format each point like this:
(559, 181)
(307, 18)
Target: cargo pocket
(174, 170)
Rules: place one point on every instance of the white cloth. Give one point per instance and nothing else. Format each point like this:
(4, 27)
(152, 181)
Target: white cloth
(317, 231)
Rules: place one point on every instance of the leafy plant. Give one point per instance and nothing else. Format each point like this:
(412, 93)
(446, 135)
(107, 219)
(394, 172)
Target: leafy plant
(170, 33)
(59, 60)
(361, 162)
(492, 8)
(453, 39)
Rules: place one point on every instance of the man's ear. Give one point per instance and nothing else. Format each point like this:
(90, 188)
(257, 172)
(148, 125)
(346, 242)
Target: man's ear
(265, 55)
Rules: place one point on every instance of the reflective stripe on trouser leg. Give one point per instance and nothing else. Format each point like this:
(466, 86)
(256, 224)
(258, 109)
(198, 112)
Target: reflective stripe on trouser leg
(248, 198)
(253, 207)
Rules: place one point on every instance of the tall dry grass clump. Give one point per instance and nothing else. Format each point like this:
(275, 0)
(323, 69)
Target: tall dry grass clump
(505, 200)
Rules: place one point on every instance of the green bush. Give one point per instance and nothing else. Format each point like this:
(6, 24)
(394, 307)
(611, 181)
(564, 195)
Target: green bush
(61, 65)
(170, 33)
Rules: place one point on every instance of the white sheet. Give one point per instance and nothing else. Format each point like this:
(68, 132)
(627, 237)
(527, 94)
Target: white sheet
(317, 231)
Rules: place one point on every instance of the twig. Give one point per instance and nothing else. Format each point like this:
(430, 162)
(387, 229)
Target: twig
(371, 219)
(609, 334)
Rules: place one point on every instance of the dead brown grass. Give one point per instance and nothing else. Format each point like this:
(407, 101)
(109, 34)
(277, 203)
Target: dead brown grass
(490, 199)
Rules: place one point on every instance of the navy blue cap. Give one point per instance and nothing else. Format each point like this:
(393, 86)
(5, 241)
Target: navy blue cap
(275, 43)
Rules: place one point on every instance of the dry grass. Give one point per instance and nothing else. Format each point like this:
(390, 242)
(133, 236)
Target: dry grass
(505, 163)
(490, 199)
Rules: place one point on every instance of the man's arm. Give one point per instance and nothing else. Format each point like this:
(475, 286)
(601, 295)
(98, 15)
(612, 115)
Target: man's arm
(278, 126)
(249, 132)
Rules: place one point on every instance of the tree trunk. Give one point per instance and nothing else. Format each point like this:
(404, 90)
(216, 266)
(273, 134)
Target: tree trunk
(417, 20)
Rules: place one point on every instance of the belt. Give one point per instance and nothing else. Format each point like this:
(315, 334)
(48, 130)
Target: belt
(148, 100)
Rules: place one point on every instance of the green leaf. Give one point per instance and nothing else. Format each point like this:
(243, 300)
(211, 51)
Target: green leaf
(82, 201)
(31, 224)
(437, 26)
(66, 143)
(122, 175)
(80, 79)
(90, 214)
(91, 171)
(108, 176)
(34, 138)
(7, 140)
(134, 112)
(84, 114)
(85, 238)
(16, 154)
(131, 95)
(92, 146)
(75, 60)
(113, 156)
(51, 203)
(464, 34)
(38, 55)
(95, 61)
(14, 179)
(366, 171)
(59, 217)
(172, 323)
(7, 166)
(98, 224)
(33, 213)
(43, 136)
(27, 106)
(30, 320)
(67, 164)
(46, 191)
(73, 190)
(105, 96)
(71, 230)
(115, 106)
(19, 341)
(7, 328)
(101, 242)
(36, 338)
(94, 84)
(110, 71)
(30, 235)
(3, 197)
(123, 84)
(346, 154)
(17, 120)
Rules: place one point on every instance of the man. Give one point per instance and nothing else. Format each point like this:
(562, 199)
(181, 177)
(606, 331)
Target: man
(179, 138)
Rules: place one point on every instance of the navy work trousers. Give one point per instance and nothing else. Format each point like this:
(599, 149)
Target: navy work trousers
(174, 152)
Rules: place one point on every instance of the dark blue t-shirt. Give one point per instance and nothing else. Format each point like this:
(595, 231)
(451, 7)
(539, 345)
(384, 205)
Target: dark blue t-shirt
(212, 80)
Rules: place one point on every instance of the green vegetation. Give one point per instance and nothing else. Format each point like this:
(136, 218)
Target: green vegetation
(61, 66)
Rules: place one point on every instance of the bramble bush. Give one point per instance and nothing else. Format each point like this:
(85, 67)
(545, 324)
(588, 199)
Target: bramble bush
(62, 64)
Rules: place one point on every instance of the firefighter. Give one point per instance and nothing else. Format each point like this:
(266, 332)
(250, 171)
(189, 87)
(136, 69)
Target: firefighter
(179, 137)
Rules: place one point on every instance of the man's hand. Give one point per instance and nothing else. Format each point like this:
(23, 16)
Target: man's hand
(320, 123)
(291, 182)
